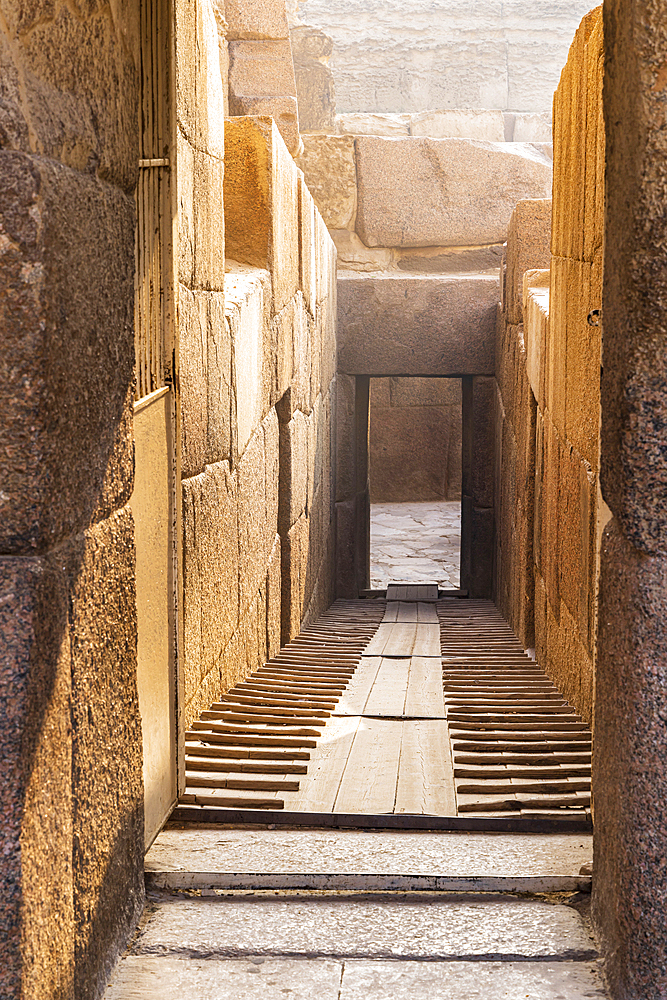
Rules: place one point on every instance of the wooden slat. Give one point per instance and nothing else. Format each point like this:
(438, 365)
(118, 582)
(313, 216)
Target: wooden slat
(424, 694)
(425, 777)
(370, 777)
(319, 788)
(387, 696)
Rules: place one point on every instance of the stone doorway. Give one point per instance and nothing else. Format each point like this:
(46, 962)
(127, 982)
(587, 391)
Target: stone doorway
(415, 430)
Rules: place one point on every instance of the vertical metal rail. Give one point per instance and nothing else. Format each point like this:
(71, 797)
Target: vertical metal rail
(154, 281)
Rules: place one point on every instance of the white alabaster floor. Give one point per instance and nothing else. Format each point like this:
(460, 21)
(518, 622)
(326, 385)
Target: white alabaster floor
(415, 542)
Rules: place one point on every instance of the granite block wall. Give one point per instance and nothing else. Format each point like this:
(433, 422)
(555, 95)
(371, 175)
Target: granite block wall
(72, 796)
(548, 404)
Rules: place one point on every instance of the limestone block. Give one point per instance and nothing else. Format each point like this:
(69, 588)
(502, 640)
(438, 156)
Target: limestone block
(261, 82)
(528, 248)
(577, 490)
(307, 247)
(217, 531)
(409, 450)
(444, 192)
(353, 255)
(325, 321)
(279, 358)
(272, 462)
(294, 468)
(256, 529)
(328, 164)
(66, 315)
(448, 260)
(462, 124)
(536, 328)
(532, 127)
(417, 324)
(273, 600)
(256, 19)
(346, 416)
(423, 392)
(294, 569)
(246, 316)
(555, 358)
(373, 124)
(315, 89)
(261, 203)
(302, 356)
(201, 90)
(583, 362)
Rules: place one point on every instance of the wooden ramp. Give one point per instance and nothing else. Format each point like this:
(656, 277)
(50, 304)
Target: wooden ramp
(412, 713)
(519, 749)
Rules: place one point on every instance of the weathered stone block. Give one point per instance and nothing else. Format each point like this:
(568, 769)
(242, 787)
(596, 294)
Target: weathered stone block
(256, 19)
(246, 315)
(528, 248)
(448, 260)
(444, 192)
(307, 248)
(315, 89)
(201, 225)
(583, 361)
(424, 391)
(461, 124)
(294, 569)
(200, 93)
(261, 82)
(555, 359)
(328, 164)
(409, 449)
(353, 255)
(68, 351)
(531, 126)
(536, 328)
(303, 356)
(416, 325)
(294, 470)
(257, 529)
(261, 203)
(373, 124)
(577, 511)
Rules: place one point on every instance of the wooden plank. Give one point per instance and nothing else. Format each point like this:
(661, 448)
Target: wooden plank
(353, 701)
(424, 695)
(425, 777)
(319, 788)
(405, 639)
(369, 780)
(388, 693)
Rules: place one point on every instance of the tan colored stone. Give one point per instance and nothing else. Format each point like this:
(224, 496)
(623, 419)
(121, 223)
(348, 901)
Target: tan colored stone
(328, 164)
(200, 94)
(444, 192)
(256, 19)
(461, 124)
(246, 316)
(532, 126)
(416, 325)
(424, 391)
(303, 356)
(311, 50)
(449, 260)
(256, 530)
(261, 82)
(536, 320)
(273, 600)
(307, 247)
(294, 569)
(261, 203)
(528, 248)
(353, 255)
(373, 124)
(295, 468)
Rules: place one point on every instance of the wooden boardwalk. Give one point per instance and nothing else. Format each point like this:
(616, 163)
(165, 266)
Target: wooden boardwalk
(398, 708)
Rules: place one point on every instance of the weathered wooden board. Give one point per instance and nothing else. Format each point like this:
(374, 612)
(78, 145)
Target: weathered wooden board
(425, 776)
(370, 777)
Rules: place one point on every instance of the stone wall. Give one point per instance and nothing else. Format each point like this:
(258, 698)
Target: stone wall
(415, 439)
(418, 281)
(258, 391)
(71, 837)
(550, 511)
(393, 56)
(629, 772)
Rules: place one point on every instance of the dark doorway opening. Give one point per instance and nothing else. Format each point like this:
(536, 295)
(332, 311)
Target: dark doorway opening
(415, 480)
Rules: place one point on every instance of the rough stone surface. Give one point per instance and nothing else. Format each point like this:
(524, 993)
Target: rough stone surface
(418, 325)
(329, 169)
(534, 127)
(528, 248)
(489, 125)
(370, 124)
(401, 926)
(67, 269)
(316, 93)
(450, 260)
(389, 57)
(266, 19)
(416, 541)
(354, 255)
(261, 82)
(445, 192)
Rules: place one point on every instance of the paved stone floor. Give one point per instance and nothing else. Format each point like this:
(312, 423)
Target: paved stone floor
(217, 944)
(416, 542)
